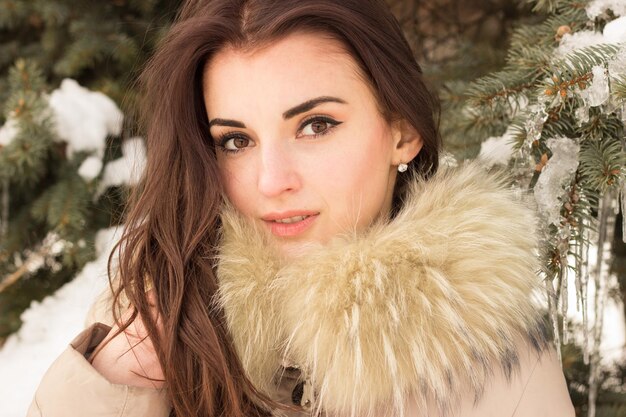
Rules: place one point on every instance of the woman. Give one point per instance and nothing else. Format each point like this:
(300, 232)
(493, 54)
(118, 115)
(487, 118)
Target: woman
(293, 230)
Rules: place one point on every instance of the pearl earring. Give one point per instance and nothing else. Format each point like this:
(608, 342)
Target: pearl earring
(402, 167)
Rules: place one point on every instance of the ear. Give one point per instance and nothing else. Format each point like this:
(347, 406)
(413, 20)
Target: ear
(406, 140)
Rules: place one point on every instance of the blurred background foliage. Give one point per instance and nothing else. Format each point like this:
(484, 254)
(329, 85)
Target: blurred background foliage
(103, 44)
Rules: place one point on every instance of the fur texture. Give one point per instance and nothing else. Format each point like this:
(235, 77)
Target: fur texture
(427, 304)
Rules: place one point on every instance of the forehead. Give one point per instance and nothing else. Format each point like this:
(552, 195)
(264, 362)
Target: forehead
(283, 73)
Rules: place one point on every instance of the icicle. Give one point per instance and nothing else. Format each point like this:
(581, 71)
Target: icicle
(4, 217)
(582, 256)
(553, 308)
(534, 123)
(578, 265)
(563, 278)
(563, 247)
(584, 293)
(606, 214)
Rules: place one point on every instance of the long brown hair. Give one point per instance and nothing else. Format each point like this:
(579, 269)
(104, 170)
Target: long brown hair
(172, 226)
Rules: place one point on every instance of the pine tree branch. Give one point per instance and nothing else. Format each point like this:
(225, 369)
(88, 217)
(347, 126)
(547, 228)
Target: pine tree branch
(556, 6)
(602, 163)
(500, 86)
(545, 6)
(13, 277)
(583, 60)
(619, 88)
(601, 127)
(570, 16)
(35, 260)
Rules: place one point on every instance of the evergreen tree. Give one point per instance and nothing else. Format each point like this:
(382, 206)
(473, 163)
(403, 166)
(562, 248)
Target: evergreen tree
(49, 211)
(101, 44)
(556, 111)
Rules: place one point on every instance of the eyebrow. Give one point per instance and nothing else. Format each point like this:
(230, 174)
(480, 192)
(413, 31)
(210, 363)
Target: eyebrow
(294, 111)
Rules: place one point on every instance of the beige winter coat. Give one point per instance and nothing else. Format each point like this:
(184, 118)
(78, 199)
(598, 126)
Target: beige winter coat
(72, 387)
(430, 315)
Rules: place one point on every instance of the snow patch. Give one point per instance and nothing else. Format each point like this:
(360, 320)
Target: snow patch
(90, 168)
(127, 169)
(615, 30)
(446, 159)
(84, 118)
(497, 149)
(573, 41)
(49, 326)
(597, 93)
(597, 7)
(8, 132)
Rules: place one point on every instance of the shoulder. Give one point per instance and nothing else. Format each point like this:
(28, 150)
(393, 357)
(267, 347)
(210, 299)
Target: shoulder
(540, 386)
(536, 389)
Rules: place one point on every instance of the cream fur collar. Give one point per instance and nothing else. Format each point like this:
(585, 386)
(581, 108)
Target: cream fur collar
(428, 304)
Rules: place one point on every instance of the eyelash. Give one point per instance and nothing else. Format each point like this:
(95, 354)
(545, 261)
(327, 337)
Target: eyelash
(225, 137)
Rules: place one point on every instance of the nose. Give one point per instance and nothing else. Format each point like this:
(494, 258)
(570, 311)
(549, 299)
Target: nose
(277, 170)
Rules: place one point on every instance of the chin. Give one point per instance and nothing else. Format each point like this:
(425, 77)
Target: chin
(294, 248)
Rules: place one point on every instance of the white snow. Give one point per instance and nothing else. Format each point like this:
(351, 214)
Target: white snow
(84, 118)
(45, 254)
(48, 328)
(582, 115)
(597, 7)
(573, 41)
(446, 159)
(128, 168)
(497, 149)
(90, 168)
(559, 169)
(597, 93)
(8, 131)
(615, 30)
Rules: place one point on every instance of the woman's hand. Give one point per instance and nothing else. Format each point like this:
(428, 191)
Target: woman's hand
(129, 358)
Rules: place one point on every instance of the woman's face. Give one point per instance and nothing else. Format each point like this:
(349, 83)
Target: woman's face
(301, 145)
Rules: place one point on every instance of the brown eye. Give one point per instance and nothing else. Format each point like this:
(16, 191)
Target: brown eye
(240, 142)
(236, 143)
(318, 126)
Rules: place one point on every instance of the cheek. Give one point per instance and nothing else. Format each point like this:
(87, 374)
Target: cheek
(373, 171)
(358, 176)
(368, 161)
(236, 186)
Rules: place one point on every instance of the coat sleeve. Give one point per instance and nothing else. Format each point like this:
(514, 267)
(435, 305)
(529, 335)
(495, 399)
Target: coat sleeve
(71, 386)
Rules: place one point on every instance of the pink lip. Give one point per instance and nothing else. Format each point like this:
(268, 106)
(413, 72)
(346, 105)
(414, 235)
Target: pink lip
(289, 229)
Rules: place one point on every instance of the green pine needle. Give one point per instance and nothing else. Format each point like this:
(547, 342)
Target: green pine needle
(602, 163)
(618, 87)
